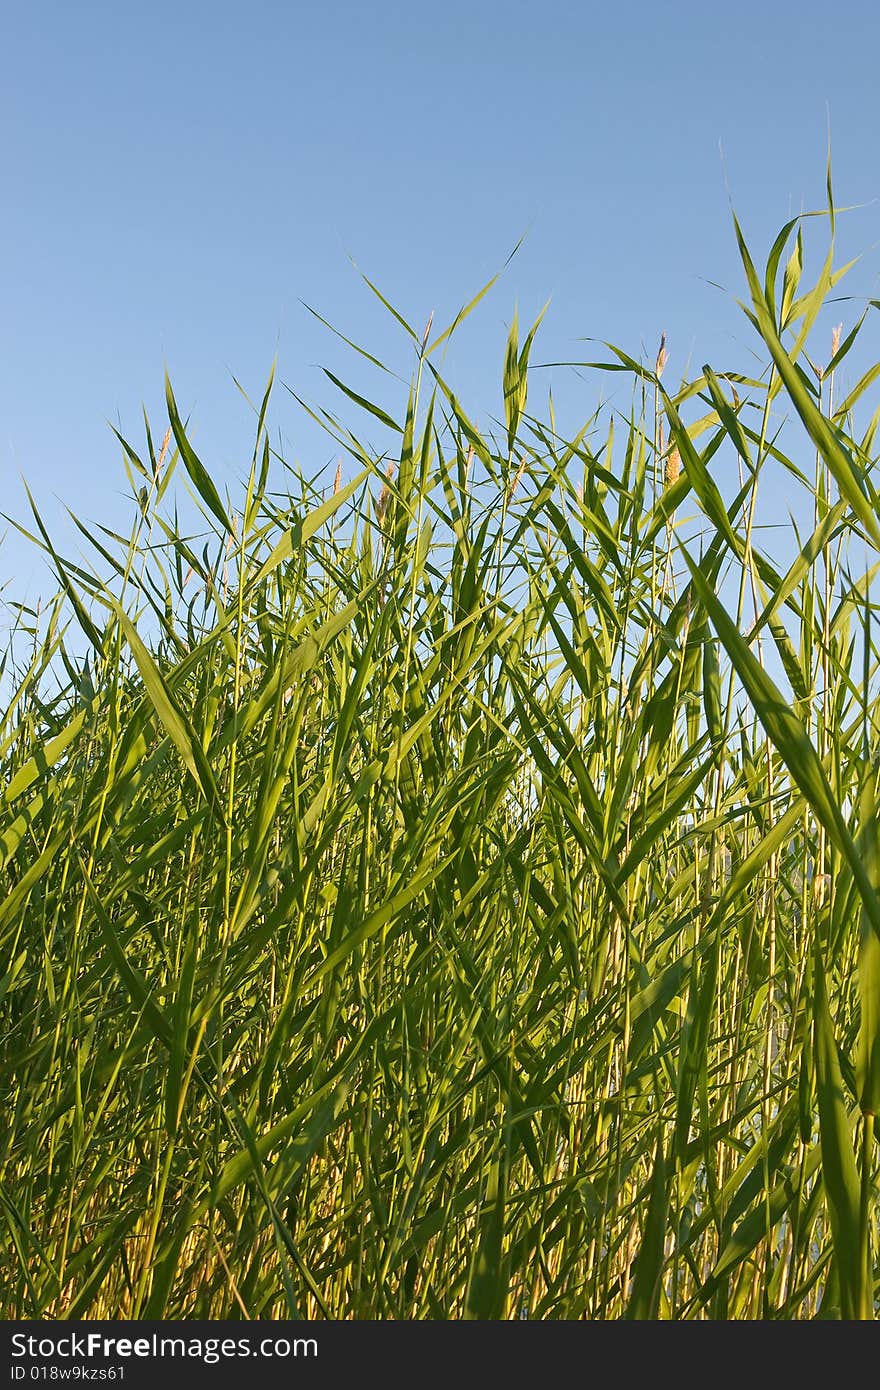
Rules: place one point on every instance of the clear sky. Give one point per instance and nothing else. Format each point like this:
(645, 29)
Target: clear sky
(177, 177)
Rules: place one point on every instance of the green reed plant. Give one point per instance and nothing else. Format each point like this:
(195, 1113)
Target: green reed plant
(454, 891)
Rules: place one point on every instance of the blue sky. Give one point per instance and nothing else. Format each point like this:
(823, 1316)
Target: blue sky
(178, 177)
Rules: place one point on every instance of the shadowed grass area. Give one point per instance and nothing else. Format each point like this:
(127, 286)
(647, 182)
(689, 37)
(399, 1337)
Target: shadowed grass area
(455, 893)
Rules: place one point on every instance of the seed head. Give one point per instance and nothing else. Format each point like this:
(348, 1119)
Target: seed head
(427, 330)
(673, 467)
(337, 481)
(516, 477)
(384, 495)
(162, 452)
(835, 339)
(662, 357)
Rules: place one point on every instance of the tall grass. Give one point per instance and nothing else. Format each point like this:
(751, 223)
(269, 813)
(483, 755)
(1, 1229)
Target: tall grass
(455, 891)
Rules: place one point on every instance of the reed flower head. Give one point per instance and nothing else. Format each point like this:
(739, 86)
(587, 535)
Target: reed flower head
(673, 467)
(427, 330)
(162, 452)
(662, 357)
(384, 495)
(516, 477)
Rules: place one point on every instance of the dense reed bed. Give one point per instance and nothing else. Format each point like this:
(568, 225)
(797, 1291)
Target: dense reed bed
(452, 888)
